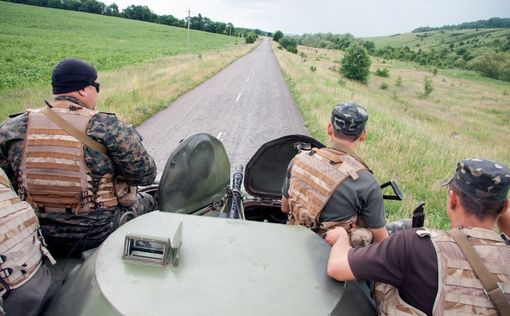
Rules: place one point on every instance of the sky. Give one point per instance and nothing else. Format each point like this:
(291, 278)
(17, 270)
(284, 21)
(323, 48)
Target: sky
(362, 18)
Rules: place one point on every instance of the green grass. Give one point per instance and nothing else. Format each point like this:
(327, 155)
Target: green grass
(34, 39)
(414, 139)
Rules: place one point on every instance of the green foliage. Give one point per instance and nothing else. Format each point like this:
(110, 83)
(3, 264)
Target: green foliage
(492, 65)
(384, 86)
(33, 43)
(250, 38)
(277, 35)
(356, 63)
(382, 72)
(398, 82)
(313, 68)
(289, 44)
(480, 24)
(427, 86)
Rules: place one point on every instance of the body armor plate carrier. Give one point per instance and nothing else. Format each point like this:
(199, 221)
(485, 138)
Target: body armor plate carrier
(21, 245)
(54, 176)
(316, 174)
(460, 292)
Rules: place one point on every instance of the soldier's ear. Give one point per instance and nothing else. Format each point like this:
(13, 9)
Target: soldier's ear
(363, 135)
(330, 129)
(452, 200)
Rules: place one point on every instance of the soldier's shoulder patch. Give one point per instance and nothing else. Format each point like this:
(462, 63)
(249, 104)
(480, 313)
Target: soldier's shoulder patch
(107, 113)
(16, 114)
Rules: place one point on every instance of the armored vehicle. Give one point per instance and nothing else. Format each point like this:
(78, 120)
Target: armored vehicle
(235, 259)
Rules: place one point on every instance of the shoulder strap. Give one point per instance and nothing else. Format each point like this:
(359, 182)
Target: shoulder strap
(349, 151)
(5, 181)
(492, 288)
(55, 118)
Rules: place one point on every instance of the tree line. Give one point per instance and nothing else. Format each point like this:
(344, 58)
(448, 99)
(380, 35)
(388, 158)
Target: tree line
(143, 13)
(492, 23)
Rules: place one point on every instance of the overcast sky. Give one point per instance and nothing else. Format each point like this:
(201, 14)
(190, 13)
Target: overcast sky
(358, 17)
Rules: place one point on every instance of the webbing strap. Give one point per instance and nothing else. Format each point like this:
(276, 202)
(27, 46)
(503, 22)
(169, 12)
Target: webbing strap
(491, 286)
(349, 151)
(55, 118)
(5, 181)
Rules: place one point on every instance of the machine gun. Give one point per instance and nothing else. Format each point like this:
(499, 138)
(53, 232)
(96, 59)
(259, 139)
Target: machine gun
(234, 208)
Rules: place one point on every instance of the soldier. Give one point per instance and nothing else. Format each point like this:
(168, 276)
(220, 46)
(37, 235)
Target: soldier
(326, 188)
(463, 271)
(77, 167)
(25, 276)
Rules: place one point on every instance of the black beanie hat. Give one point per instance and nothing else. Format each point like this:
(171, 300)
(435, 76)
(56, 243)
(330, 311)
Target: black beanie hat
(72, 74)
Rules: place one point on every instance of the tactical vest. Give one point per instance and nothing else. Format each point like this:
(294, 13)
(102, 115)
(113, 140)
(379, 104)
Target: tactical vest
(459, 290)
(53, 175)
(315, 176)
(21, 245)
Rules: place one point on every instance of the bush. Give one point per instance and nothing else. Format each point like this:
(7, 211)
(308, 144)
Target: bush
(289, 44)
(398, 82)
(492, 65)
(250, 38)
(313, 68)
(382, 72)
(356, 63)
(384, 86)
(427, 86)
(277, 35)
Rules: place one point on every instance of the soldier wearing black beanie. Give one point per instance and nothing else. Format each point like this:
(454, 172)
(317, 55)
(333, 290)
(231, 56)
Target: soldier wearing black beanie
(72, 74)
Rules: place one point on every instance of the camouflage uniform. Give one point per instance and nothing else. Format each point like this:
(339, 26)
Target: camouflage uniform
(127, 159)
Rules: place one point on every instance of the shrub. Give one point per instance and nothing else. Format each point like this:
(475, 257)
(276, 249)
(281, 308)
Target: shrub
(434, 71)
(492, 65)
(427, 86)
(313, 68)
(384, 86)
(250, 38)
(398, 82)
(289, 44)
(277, 35)
(356, 63)
(382, 72)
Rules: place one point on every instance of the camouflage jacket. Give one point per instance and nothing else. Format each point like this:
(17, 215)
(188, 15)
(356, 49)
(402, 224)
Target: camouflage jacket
(127, 159)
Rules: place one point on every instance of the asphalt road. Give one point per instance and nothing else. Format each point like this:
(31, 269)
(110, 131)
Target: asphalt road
(245, 105)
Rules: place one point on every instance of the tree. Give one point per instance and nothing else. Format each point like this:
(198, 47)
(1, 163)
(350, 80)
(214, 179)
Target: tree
(289, 44)
(277, 35)
(112, 10)
(356, 63)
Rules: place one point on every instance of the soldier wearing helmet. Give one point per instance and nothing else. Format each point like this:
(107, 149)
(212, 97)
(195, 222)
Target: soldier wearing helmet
(330, 187)
(431, 272)
(77, 167)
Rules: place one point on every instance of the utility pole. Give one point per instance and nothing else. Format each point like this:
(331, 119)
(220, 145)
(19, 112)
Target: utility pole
(189, 22)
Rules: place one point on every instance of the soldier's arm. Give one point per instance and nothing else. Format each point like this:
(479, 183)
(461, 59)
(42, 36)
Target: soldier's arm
(379, 233)
(504, 220)
(132, 162)
(338, 263)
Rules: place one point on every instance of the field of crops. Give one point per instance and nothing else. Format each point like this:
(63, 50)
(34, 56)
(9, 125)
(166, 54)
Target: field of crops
(34, 39)
(413, 138)
(142, 66)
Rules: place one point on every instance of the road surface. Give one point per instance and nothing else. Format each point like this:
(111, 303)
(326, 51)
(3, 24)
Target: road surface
(245, 105)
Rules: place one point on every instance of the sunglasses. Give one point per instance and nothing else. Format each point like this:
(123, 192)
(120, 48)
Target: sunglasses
(95, 85)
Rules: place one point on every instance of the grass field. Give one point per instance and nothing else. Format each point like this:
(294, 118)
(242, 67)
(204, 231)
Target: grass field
(414, 139)
(142, 66)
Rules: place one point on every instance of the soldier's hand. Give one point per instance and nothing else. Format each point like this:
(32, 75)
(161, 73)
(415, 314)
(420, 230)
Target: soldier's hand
(333, 235)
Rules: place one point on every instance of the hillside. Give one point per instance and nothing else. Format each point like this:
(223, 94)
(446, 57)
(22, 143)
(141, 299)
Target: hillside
(469, 39)
(33, 39)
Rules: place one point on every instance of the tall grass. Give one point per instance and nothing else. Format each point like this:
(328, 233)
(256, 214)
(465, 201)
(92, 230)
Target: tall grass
(416, 140)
